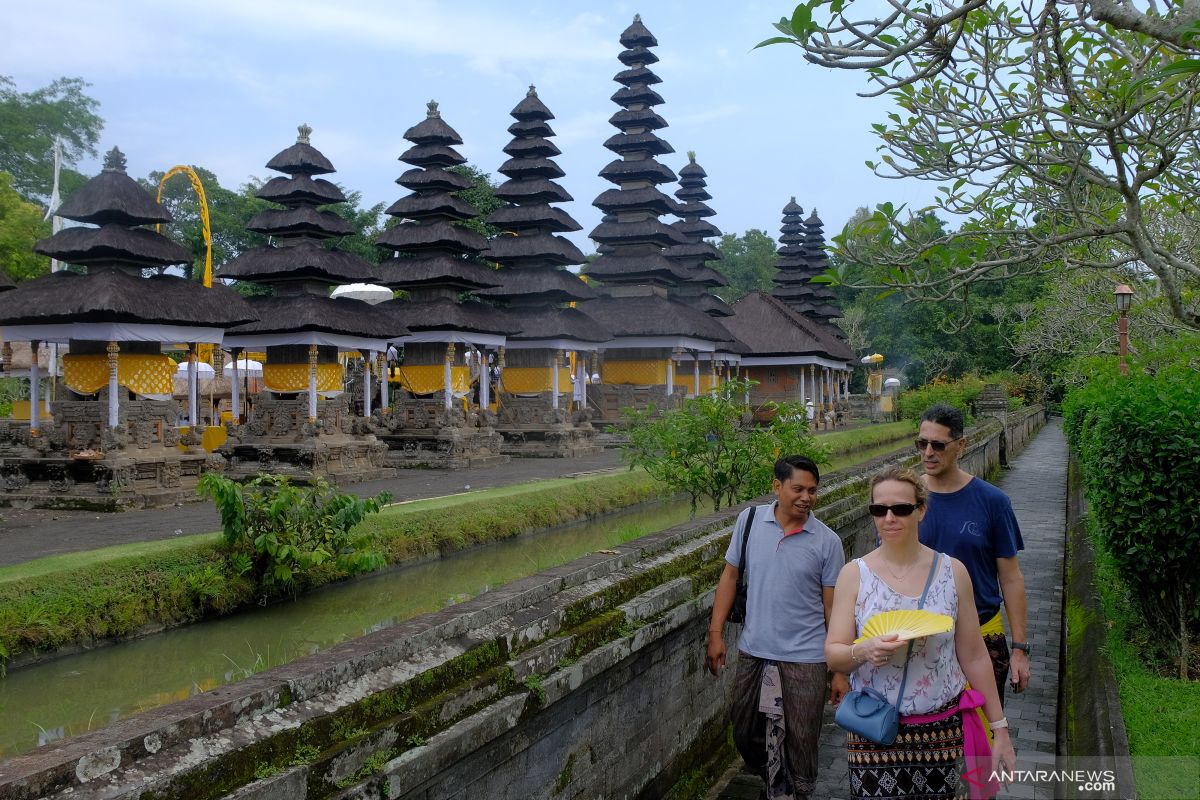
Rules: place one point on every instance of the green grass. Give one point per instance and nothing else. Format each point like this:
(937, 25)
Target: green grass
(844, 442)
(1162, 714)
(115, 592)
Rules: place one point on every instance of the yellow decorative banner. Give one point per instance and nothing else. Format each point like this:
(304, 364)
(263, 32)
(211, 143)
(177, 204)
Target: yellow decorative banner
(637, 373)
(531, 380)
(141, 373)
(294, 377)
(430, 378)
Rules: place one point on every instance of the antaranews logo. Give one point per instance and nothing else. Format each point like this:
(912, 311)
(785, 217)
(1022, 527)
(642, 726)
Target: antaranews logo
(1084, 780)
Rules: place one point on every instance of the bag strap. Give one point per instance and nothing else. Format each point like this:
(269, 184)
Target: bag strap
(741, 581)
(920, 605)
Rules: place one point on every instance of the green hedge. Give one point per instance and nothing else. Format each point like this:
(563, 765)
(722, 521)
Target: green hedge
(1138, 442)
(960, 393)
(119, 597)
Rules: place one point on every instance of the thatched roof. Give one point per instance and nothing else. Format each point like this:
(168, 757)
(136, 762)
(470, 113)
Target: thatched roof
(628, 95)
(696, 229)
(708, 303)
(531, 128)
(307, 312)
(112, 197)
(306, 260)
(111, 295)
(642, 118)
(431, 236)
(531, 107)
(629, 77)
(530, 167)
(433, 179)
(650, 231)
(558, 323)
(645, 199)
(637, 34)
(653, 315)
(547, 284)
(694, 251)
(113, 244)
(432, 129)
(438, 204)
(537, 247)
(539, 215)
(770, 328)
(438, 270)
(300, 189)
(637, 56)
(447, 315)
(532, 190)
(299, 221)
(612, 267)
(533, 146)
(644, 142)
(432, 155)
(301, 158)
(646, 169)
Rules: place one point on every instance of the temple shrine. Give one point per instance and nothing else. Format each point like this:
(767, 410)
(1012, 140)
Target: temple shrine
(651, 329)
(542, 401)
(434, 419)
(117, 439)
(301, 423)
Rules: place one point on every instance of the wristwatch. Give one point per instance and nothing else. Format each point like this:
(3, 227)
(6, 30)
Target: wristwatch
(1021, 646)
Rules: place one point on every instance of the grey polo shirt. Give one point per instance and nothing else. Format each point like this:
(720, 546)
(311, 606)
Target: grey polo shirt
(785, 616)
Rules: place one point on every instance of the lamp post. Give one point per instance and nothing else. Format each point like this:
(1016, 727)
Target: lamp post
(1123, 295)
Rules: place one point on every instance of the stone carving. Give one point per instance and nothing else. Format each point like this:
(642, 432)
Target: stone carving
(59, 479)
(14, 477)
(169, 475)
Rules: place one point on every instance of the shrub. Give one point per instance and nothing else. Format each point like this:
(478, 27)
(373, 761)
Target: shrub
(959, 393)
(712, 448)
(287, 530)
(1138, 442)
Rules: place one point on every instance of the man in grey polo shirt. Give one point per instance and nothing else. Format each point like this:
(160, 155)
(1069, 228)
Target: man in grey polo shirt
(792, 560)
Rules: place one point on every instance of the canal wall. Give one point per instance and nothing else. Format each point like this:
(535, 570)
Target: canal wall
(586, 680)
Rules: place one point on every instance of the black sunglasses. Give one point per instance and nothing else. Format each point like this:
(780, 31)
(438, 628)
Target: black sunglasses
(938, 447)
(899, 509)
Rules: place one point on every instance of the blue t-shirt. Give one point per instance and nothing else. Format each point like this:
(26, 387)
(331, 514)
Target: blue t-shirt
(785, 614)
(976, 525)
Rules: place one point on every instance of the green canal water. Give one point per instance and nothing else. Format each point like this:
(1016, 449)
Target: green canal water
(67, 696)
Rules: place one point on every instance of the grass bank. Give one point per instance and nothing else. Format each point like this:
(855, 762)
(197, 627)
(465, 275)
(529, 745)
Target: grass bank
(80, 598)
(1162, 714)
(845, 442)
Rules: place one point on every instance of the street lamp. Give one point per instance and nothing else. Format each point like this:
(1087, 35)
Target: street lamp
(1123, 296)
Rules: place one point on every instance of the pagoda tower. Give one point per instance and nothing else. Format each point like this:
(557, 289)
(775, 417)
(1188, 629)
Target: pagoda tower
(801, 258)
(302, 422)
(538, 388)
(113, 441)
(650, 328)
(441, 416)
(696, 291)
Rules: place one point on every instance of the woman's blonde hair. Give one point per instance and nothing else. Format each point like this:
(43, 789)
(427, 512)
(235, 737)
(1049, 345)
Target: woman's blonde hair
(903, 475)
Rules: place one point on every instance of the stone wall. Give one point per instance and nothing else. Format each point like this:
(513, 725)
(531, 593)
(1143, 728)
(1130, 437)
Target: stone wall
(583, 681)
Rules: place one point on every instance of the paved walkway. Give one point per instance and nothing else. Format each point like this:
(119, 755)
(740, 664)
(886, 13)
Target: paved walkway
(26, 535)
(1037, 484)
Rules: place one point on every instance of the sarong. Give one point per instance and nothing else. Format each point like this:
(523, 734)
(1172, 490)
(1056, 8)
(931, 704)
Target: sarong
(924, 763)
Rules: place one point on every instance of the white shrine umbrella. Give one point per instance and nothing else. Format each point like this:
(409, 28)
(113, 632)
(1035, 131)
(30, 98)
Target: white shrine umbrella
(367, 292)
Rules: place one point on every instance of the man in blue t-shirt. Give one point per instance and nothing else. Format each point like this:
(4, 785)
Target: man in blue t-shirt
(792, 564)
(973, 521)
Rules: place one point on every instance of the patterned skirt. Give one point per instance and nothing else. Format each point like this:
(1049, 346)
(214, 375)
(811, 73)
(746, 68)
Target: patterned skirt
(923, 763)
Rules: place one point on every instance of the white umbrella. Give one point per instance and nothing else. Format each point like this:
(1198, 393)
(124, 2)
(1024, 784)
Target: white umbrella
(204, 377)
(367, 292)
(246, 366)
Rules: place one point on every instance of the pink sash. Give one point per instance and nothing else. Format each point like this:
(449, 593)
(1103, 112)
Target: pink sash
(975, 742)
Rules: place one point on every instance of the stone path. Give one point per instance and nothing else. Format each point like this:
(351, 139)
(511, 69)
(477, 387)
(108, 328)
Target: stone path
(1037, 484)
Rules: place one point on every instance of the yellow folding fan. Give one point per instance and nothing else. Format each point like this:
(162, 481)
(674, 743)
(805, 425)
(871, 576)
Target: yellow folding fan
(907, 624)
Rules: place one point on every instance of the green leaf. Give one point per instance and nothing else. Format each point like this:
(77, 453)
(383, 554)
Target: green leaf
(801, 23)
(774, 40)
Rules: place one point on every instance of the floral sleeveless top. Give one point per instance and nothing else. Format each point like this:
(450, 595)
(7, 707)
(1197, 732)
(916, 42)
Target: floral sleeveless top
(934, 676)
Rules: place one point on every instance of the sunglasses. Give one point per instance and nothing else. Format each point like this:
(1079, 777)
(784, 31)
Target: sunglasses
(937, 446)
(899, 509)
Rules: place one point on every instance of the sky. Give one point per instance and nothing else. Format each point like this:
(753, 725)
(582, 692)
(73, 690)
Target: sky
(223, 84)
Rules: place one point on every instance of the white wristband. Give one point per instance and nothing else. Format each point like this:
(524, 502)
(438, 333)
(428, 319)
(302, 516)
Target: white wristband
(998, 724)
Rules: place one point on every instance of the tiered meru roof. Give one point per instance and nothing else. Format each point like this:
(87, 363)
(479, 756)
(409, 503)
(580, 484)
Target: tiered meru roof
(771, 329)
(631, 238)
(437, 258)
(299, 268)
(801, 258)
(111, 301)
(694, 256)
(532, 257)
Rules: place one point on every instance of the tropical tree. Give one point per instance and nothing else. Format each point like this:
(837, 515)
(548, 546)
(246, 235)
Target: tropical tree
(29, 124)
(747, 261)
(21, 225)
(1057, 130)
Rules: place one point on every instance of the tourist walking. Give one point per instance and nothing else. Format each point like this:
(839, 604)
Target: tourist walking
(973, 521)
(940, 748)
(791, 561)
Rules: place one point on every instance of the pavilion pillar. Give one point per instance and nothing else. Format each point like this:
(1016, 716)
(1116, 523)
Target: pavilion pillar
(367, 382)
(485, 381)
(670, 374)
(554, 362)
(235, 389)
(713, 389)
(581, 377)
(695, 373)
(35, 422)
(193, 398)
(746, 378)
(312, 384)
(384, 373)
(447, 378)
(114, 360)
(802, 396)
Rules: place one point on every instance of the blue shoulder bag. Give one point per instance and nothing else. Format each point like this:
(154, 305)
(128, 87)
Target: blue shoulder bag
(868, 713)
